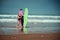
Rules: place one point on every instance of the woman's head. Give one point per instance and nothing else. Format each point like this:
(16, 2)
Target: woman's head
(21, 9)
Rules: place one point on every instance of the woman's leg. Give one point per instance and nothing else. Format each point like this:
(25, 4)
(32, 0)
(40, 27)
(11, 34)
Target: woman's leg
(22, 23)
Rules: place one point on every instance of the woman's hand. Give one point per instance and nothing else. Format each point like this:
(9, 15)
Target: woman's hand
(19, 16)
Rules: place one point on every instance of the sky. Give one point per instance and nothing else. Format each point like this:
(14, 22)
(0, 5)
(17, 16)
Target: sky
(36, 7)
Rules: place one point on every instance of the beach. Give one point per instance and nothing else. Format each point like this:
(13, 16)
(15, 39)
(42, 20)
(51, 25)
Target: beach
(43, 20)
(39, 36)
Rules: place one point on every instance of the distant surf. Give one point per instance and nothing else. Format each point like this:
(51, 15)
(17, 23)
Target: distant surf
(31, 18)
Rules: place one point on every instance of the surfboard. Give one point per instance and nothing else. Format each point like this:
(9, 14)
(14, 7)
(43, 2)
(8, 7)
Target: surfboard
(25, 20)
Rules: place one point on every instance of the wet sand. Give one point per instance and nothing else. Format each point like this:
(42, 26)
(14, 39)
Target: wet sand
(39, 36)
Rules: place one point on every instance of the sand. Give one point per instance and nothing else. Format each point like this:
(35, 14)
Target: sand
(48, 36)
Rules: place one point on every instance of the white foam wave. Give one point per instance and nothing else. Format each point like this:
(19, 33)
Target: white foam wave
(39, 16)
(29, 20)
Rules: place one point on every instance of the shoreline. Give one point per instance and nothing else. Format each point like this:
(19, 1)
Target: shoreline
(48, 36)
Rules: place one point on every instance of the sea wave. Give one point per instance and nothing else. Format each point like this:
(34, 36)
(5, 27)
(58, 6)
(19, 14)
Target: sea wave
(30, 16)
(29, 20)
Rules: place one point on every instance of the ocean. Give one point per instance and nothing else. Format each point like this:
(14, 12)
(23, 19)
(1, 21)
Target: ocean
(36, 24)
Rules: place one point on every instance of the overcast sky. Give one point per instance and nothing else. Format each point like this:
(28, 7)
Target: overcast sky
(37, 7)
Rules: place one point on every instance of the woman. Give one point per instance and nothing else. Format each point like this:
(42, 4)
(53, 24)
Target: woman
(20, 19)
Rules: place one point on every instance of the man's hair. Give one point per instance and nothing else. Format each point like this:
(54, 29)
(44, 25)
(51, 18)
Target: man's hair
(21, 9)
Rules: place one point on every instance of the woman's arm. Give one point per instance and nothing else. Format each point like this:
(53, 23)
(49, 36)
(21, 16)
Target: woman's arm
(19, 16)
